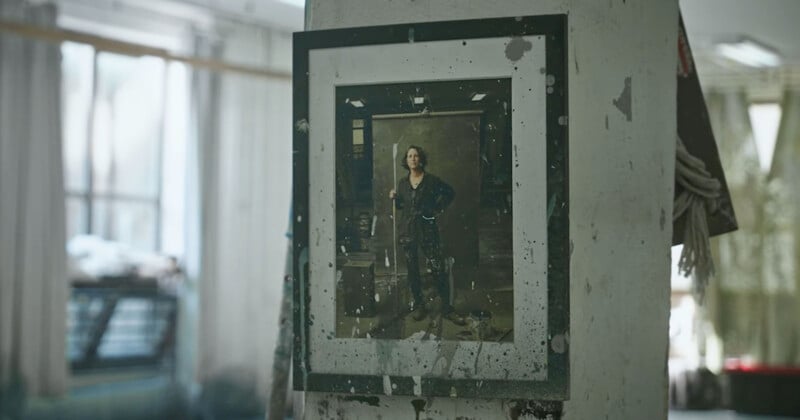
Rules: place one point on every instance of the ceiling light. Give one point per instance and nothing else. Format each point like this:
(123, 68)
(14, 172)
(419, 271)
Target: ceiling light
(749, 53)
(357, 103)
(478, 96)
(419, 100)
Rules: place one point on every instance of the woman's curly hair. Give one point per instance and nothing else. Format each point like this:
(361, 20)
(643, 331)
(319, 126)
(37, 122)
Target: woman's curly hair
(423, 157)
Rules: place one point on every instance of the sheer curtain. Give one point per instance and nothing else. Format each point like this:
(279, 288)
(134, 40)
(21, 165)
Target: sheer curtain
(753, 304)
(33, 283)
(735, 300)
(782, 236)
(244, 193)
(201, 213)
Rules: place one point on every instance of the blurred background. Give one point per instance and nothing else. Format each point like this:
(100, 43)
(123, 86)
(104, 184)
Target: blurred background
(740, 349)
(146, 178)
(145, 153)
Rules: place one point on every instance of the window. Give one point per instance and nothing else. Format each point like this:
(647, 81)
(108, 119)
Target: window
(121, 117)
(764, 119)
(125, 123)
(358, 139)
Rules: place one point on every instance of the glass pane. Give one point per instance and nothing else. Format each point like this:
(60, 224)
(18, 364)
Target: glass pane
(128, 222)
(76, 87)
(173, 180)
(76, 216)
(128, 124)
(765, 119)
(358, 137)
(82, 313)
(132, 330)
(101, 145)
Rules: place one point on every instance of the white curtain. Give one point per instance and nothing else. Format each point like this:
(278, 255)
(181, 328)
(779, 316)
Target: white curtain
(201, 214)
(734, 299)
(33, 283)
(244, 190)
(782, 240)
(753, 301)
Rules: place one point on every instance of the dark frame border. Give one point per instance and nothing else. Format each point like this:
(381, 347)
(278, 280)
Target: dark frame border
(553, 27)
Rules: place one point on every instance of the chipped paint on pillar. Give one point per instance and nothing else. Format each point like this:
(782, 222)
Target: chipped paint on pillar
(623, 102)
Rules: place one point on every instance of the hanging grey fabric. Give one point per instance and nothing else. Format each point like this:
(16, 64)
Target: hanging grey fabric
(700, 197)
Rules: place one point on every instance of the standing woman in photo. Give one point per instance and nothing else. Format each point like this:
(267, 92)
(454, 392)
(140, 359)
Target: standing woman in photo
(422, 198)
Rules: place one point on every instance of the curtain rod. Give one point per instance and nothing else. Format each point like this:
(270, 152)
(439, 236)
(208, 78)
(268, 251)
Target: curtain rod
(127, 48)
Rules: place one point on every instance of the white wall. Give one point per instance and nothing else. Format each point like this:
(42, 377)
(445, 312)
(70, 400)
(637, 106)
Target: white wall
(621, 180)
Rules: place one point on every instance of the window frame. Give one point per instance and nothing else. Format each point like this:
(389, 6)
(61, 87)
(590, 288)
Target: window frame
(89, 197)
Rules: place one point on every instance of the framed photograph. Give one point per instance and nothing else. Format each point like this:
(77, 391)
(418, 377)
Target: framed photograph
(431, 225)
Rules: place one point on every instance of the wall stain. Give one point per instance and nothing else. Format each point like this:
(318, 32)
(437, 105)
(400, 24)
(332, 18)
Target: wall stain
(623, 102)
(537, 409)
(301, 126)
(517, 47)
(663, 219)
(419, 406)
(515, 411)
(477, 356)
(373, 401)
(447, 350)
(559, 344)
(322, 408)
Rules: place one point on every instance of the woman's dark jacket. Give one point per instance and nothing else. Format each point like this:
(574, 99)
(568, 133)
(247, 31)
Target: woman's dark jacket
(420, 207)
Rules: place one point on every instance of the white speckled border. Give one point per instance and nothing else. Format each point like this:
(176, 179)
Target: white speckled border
(526, 357)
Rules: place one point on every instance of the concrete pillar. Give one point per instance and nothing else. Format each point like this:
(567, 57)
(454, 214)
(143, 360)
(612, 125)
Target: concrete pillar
(622, 75)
